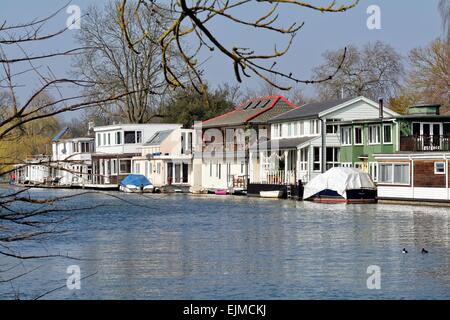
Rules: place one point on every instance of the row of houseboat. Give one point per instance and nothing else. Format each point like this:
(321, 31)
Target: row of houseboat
(265, 146)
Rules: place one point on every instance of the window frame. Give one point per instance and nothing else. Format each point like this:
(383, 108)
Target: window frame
(345, 142)
(378, 134)
(336, 157)
(374, 168)
(362, 136)
(435, 168)
(384, 140)
(319, 162)
(392, 165)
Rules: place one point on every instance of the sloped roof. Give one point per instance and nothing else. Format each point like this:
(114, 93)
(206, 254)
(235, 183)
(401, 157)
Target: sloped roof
(251, 111)
(289, 143)
(158, 138)
(60, 135)
(309, 110)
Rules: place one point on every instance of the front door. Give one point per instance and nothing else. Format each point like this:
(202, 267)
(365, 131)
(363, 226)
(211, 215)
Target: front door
(169, 173)
(185, 172)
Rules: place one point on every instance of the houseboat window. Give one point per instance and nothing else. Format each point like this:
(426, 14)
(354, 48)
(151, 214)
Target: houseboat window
(333, 157)
(394, 173)
(316, 165)
(150, 169)
(314, 127)
(118, 137)
(242, 167)
(302, 128)
(439, 168)
(280, 130)
(138, 136)
(358, 135)
(125, 166)
(158, 168)
(183, 143)
(104, 139)
(137, 167)
(386, 173)
(373, 170)
(99, 139)
(416, 129)
(346, 136)
(189, 145)
(277, 130)
(289, 130)
(446, 130)
(114, 166)
(218, 170)
(317, 127)
(295, 129)
(426, 129)
(210, 170)
(130, 137)
(374, 134)
(108, 167)
(332, 128)
(387, 133)
(304, 159)
(401, 173)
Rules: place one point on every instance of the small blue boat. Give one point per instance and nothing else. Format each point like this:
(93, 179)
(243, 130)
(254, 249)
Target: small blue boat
(136, 183)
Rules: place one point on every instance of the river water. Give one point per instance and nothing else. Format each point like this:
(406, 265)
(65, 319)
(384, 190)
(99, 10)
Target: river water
(223, 247)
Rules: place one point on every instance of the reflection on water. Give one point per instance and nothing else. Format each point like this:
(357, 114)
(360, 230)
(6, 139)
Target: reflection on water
(210, 247)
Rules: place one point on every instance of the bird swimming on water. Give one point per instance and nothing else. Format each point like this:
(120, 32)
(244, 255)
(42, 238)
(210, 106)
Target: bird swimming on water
(424, 251)
(404, 251)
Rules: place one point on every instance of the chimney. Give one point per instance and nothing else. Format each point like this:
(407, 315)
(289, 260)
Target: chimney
(381, 108)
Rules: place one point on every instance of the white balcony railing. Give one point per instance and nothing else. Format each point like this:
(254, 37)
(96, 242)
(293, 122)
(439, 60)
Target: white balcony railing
(279, 177)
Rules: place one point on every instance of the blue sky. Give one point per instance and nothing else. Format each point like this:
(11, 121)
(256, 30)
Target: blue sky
(405, 24)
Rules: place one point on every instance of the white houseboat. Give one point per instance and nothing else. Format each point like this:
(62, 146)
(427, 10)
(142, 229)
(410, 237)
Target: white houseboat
(166, 158)
(71, 160)
(115, 147)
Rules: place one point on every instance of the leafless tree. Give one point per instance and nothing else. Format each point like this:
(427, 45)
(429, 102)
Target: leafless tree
(444, 9)
(23, 217)
(429, 76)
(374, 71)
(111, 65)
(296, 94)
(195, 20)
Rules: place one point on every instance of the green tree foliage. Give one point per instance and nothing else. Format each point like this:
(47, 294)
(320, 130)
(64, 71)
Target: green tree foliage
(187, 106)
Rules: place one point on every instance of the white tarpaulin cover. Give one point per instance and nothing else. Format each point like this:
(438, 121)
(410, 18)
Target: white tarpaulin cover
(339, 180)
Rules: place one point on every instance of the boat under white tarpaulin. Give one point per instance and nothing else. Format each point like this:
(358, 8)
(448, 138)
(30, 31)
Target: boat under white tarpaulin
(339, 180)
